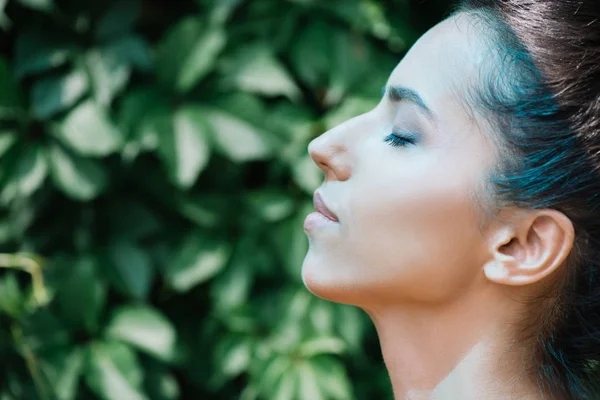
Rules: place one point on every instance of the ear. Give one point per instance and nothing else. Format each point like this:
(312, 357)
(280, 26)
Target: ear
(529, 248)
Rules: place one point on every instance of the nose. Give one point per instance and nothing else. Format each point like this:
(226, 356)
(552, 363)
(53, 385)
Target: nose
(330, 153)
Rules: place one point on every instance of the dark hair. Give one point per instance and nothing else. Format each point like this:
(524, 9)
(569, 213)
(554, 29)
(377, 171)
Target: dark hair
(542, 93)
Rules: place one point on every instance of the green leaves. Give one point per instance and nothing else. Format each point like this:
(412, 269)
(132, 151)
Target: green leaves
(88, 130)
(9, 92)
(199, 258)
(238, 139)
(129, 269)
(79, 178)
(31, 170)
(234, 355)
(63, 369)
(113, 372)
(257, 70)
(109, 73)
(11, 298)
(55, 94)
(7, 139)
(195, 46)
(144, 328)
(332, 59)
(82, 295)
(38, 52)
(271, 205)
(154, 155)
(40, 5)
(118, 19)
(185, 148)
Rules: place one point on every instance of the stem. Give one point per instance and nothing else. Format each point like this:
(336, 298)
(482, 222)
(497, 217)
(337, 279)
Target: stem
(32, 265)
(30, 361)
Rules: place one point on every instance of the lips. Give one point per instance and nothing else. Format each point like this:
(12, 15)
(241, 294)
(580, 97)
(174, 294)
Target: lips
(322, 208)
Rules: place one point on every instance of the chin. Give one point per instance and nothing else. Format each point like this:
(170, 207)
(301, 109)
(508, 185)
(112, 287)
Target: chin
(321, 281)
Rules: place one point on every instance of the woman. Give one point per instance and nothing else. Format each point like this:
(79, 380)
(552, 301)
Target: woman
(462, 213)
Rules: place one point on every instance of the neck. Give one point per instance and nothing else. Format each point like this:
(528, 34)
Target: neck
(462, 350)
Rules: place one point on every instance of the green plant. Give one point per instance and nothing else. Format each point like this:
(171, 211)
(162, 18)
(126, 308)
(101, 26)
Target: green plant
(154, 154)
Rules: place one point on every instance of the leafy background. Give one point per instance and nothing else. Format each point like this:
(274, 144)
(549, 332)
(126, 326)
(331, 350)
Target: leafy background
(153, 182)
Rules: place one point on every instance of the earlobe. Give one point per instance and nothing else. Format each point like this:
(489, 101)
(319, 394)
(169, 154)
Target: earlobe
(495, 271)
(533, 247)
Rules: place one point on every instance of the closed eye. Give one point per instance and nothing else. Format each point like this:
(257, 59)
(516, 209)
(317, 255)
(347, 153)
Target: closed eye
(396, 139)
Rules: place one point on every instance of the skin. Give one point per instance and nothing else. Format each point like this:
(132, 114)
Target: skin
(416, 247)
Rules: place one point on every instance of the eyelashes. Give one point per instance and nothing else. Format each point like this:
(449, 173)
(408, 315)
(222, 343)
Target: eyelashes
(398, 139)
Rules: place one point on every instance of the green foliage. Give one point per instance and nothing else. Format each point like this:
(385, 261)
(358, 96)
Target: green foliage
(153, 182)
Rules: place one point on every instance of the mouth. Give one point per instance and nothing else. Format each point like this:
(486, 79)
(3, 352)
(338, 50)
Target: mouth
(321, 207)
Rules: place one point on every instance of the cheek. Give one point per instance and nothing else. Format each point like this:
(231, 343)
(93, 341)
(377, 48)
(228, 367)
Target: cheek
(415, 228)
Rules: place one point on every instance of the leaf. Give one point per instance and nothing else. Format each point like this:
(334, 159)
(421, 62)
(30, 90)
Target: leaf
(39, 5)
(245, 106)
(185, 149)
(308, 387)
(233, 355)
(79, 178)
(162, 385)
(206, 211)
(6, 233)
(113, 372)
(350, 58)
(256, 70)
(271, 205)
(63, 367)
(322, 345)
(199, 258)
(350, 108)
(296, 124)
(322, 317)
(311, 53)
(31, 170)
(195, 48)
(5, 22)
(130, 270)
(273, 372)
(307, 175)
(132, 220)
(42, 331)
(287, 387)
(138, 103)
(54, 94)
(152, 127)
(237, 139)
(291, 242)
(11, 298)
(10, 98)
(7, 139)
(354, 323)
(332, 378)
(133, 50)
(119, 19)
(222, 10)
(145, 328)
(142, 116)
(88, 130)
(38, 52)
(82, 295)
(109, 74)
(332, 58)
(231, 289)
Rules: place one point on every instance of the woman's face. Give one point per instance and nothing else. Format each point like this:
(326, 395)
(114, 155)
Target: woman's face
(404, 181)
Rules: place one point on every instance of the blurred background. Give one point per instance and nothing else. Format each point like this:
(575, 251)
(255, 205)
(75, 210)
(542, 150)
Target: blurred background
(154, 178)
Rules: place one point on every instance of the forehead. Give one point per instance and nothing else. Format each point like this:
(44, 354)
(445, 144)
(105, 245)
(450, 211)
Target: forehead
(444, 64)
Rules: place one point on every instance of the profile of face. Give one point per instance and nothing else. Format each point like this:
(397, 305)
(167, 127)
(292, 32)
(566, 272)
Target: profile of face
(405, 182)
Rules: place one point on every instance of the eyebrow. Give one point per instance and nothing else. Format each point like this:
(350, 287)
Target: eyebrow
(397, 94)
